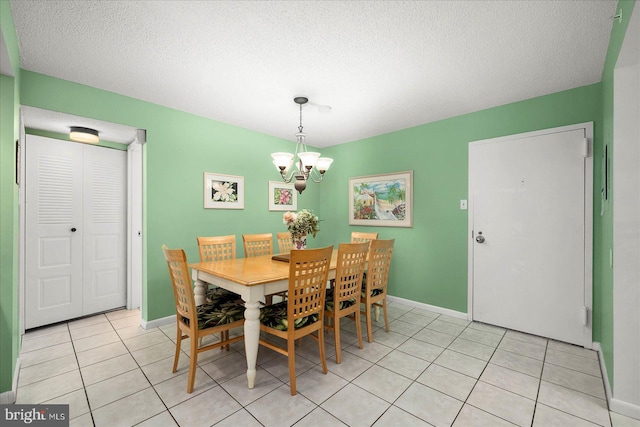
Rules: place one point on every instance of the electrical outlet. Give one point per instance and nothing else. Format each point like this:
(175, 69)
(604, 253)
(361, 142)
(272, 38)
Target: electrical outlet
(463, 205)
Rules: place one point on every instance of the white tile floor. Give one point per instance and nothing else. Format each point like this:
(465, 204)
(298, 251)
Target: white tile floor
(430, 369)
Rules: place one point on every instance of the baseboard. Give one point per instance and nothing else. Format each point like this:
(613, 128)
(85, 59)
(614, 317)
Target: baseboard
(158, 322)
(625, 408)
(615, 405)
(424, 306)
(9, 397)
(603, 371)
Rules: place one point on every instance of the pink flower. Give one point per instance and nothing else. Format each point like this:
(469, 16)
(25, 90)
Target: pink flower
(285, 197)
(288, 217)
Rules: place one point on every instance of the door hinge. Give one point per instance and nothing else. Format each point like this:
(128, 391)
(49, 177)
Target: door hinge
(586, 148)
(585, 316)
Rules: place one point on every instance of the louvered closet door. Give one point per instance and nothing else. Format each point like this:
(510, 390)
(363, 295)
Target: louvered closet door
(104, 239)
(75, 230)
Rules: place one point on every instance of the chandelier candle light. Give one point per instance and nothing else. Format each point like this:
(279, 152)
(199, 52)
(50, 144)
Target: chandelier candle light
(309, 165)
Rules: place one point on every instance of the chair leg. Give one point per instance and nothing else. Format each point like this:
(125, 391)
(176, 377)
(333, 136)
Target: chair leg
(177, 355)
(224, 336)
(336, 333)
(358, 327)
(323, 357)
(193, 363)
(292, 365)
(368, 319)
(384, 311)
(268, 299)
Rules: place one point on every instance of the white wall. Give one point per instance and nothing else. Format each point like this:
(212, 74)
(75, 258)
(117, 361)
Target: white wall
(626, 225)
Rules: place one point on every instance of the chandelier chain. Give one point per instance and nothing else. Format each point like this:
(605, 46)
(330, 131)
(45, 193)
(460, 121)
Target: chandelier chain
(300, 127)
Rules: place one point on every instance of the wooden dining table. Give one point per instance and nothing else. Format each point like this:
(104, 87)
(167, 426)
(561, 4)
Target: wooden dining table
(251, 278)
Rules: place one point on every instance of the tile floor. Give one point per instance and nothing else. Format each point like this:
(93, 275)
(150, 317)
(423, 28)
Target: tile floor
(431, 369)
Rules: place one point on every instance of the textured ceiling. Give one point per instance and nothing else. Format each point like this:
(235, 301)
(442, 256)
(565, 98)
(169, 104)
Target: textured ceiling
(381, 65)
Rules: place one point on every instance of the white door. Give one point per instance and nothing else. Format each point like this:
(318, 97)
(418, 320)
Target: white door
(531, 241)
(75, 230)
(104, 233)
(53, 257)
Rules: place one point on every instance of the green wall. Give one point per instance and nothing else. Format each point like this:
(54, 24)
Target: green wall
(430, 259)
(9, 131)
(180, 148)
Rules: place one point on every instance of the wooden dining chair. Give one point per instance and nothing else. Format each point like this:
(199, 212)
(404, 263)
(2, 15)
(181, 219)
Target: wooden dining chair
(343, 299)
(257, 244)
(374, 287)
(302, 313)
(285, 242)
(358, 237)
(218, 248)
(195, 322)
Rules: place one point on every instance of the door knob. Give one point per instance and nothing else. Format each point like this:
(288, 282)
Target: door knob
(480, 237)
(73, 230)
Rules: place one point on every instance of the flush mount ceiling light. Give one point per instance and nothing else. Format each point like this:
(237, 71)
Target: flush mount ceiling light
(309, 165)
(80, 134)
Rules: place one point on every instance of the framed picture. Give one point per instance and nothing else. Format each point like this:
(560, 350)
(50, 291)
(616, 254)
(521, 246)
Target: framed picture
(382, 200)
(223, 191)
(282, 196)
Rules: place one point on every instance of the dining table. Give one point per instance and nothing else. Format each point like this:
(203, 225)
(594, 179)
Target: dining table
(252, 278)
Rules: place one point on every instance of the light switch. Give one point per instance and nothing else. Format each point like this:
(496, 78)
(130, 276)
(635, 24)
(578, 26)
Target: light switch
(463, 205)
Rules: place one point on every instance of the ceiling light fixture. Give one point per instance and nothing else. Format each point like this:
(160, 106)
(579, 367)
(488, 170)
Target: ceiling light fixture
(309, 165)
(80, 134)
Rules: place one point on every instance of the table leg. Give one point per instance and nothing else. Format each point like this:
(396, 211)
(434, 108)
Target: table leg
(251, 338)
(200, 291)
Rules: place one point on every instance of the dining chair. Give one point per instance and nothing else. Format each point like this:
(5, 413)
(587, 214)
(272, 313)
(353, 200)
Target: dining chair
(374, 287)
(343, 299)
(257, 244)
(195, 322)
(358, 237)
(218, 248)
(302, 313)
(285, 242)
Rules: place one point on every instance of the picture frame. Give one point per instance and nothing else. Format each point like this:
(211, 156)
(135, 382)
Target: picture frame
(282, 196)
(223, 191)
(384, 200)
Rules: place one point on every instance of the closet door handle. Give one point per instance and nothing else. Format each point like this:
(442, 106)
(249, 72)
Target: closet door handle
(73, 230)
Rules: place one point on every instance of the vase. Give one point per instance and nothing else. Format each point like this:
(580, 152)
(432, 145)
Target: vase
(299, 242)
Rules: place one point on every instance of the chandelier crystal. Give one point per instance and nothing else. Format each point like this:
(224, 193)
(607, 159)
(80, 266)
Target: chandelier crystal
(309, 164)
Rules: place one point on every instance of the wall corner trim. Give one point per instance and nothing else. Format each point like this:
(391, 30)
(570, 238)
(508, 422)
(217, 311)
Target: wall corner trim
(157, 322)
(436, 309)
(9, 397)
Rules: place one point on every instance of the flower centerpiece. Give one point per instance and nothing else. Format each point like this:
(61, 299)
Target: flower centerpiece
(300, 224)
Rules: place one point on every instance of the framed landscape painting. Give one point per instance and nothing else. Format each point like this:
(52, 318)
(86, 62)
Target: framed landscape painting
(223, 191)
(282, 196)
(382, 200)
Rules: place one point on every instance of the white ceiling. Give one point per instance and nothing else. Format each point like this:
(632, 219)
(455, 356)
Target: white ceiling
(381, 65)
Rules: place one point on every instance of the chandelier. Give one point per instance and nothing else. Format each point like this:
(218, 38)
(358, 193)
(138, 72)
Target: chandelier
(309, 165)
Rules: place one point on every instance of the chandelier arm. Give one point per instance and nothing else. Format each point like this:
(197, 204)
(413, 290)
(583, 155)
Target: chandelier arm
(285, 178)
(316, 180)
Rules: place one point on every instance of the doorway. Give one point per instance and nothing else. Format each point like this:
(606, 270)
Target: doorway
(530, 223)
(76, 212)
